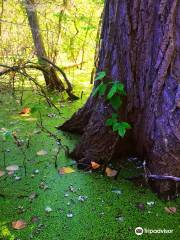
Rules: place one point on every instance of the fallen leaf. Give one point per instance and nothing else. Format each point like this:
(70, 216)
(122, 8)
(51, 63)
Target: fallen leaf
(117, 191)
(41, 153)
(2, 173)
(95, 165)
(111, 172)
(20, 224)
(120, 218)
(150, 203)
(36, 171)
(32, 196)
(69, 215)
(48, 209)
(17, 178)
(25, 110)
(82, 198)
(170, 209)
(12, 168)
(66, 195)
(66, 170)
(72, 189)
(43, 186)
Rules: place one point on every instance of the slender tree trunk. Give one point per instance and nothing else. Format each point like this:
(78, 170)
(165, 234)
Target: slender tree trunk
(50, 76)
(140, 46)
(1, 16)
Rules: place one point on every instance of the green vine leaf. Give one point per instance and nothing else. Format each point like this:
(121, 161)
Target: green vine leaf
(101, 88)
(120, 89)
(112, 91)
(114, 97)
(121, 131)
(115, 126)
(121, 127)
(111, 121)
(126, 125)
(100, 75)
(116, 102)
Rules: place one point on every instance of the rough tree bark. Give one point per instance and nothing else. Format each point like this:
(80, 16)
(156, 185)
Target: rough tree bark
(50, 76)
(140, 46)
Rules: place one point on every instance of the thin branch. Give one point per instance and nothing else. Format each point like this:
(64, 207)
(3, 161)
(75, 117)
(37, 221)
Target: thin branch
(69, 86)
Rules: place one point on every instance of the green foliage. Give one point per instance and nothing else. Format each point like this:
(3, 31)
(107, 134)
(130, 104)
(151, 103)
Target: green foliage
(36, 108)
(119, 127)
(114, 97)
(116, 88)
(116, 102)
(100, 89)
(6, 135)
(100, 76)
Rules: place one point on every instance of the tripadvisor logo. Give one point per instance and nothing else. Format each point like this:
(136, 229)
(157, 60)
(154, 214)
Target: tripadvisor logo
(139, 231)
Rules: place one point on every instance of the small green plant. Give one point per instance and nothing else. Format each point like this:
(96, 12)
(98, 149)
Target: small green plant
(113, 92)
(4, 137)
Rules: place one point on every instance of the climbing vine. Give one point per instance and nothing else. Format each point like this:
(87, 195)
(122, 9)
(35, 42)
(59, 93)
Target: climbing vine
(113, 93)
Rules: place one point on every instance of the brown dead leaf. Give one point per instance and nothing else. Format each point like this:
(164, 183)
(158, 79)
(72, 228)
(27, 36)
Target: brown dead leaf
(170, 210)
(111, 172)
(25, 110)
(65, 170)
(18, 225)
(41, 153)
(95, 165)
(2, 173)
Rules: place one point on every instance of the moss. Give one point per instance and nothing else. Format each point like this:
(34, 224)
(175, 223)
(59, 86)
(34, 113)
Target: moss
(95, 218)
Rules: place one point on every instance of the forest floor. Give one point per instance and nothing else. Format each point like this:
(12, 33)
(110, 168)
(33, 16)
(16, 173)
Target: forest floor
(70, 206)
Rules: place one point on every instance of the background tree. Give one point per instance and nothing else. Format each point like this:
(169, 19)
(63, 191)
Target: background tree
(50, 75)
(140, 48)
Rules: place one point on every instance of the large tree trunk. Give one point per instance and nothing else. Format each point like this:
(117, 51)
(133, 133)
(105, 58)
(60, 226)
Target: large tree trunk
(140, 46)
(50, 76)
